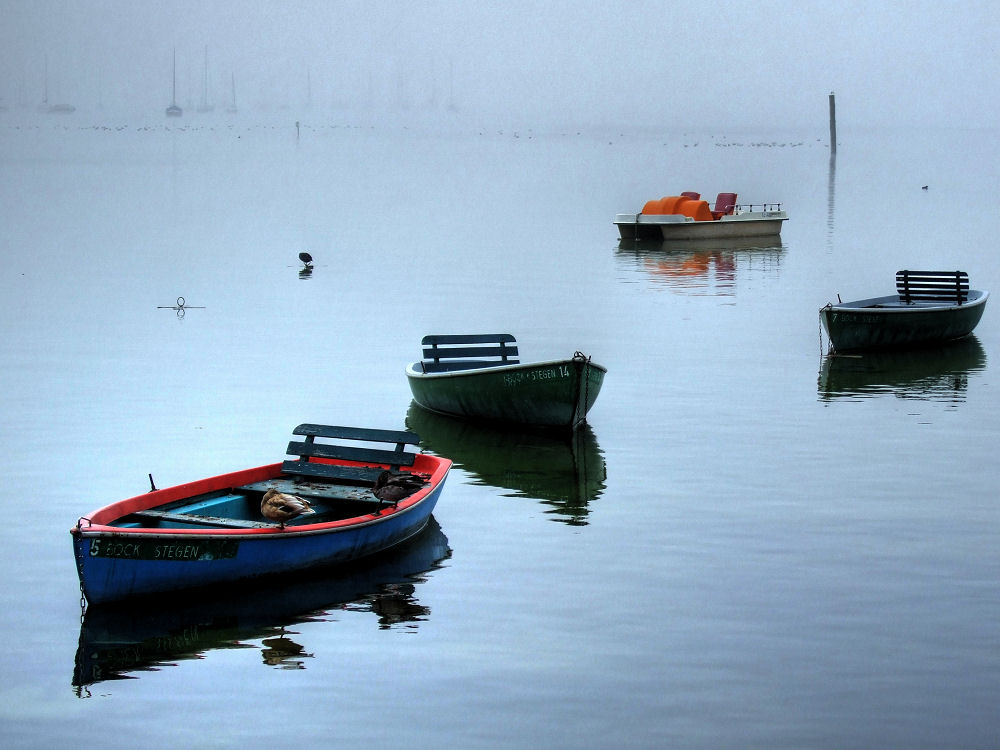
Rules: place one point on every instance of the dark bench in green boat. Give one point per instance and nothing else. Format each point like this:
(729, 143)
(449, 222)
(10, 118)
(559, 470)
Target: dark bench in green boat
(932, 286)
(445, 353)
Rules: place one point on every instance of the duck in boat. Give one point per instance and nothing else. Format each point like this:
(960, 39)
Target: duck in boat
(393, 487)
(282, 507)
(687, 216)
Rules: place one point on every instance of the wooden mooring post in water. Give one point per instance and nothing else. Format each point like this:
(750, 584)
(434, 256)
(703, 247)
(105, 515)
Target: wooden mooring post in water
(833, 125)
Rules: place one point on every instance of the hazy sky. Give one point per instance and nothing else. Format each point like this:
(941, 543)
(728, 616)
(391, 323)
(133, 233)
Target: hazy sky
(756, 63)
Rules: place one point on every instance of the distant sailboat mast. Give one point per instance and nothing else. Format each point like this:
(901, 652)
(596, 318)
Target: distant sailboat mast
(232, 107)
(205, 106)
(53, 108)
(45, 93)
(173, 110)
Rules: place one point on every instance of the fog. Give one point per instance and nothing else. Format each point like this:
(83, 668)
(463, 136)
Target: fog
(517, 63)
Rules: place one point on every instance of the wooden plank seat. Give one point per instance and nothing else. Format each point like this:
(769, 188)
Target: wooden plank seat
(445, 353)
(932, 286)
(307, 449)
(313, 489)
(197, 520)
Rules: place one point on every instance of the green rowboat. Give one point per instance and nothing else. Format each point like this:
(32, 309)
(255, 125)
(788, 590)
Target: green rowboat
(930, 307)
(479, 377)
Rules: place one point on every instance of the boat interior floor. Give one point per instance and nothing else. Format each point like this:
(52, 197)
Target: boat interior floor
(239, 507)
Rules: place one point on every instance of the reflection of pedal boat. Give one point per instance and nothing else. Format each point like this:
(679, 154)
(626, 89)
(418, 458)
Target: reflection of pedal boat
(563, 470)
(666, 248)
(118, 639)
(940, 373)
(686, 263)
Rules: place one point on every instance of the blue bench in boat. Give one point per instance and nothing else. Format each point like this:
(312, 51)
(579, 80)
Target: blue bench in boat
(932, 286)
(445, 353)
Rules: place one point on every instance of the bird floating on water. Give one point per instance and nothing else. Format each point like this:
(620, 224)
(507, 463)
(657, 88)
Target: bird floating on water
(392, 488)
(281, 507)
(307, 259)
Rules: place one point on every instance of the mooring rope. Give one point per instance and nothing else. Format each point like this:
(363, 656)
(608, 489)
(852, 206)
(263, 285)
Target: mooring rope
(819, 322)
(581, 357)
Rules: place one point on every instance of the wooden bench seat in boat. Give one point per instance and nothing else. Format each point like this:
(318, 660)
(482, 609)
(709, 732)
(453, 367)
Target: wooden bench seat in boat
(932, 286)
(347, 485)
(445, 353)
(307, 449)
(198, 520)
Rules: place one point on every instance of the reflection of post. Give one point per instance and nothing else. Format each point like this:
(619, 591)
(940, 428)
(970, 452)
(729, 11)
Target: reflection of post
(830, 198)
(833, 125)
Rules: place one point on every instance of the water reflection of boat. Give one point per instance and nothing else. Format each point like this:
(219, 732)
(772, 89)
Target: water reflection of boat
(707, 266)
(564, 471)
(938, 374)
(118, 640)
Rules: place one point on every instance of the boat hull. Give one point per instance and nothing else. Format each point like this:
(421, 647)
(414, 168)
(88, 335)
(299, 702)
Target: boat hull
(555, 394)
(117, 562)
(676, 227)
(118, 640)
(888, 323)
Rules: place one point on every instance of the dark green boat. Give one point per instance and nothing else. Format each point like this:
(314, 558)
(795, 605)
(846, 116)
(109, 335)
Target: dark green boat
(479, 377)
(930, 307)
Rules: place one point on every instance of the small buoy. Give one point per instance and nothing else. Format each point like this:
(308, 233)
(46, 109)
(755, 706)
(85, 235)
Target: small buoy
(306, 259)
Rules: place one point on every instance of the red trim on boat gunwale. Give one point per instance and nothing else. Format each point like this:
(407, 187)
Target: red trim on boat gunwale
(95, 523)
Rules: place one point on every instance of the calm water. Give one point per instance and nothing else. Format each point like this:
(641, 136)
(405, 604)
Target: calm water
(750, 544)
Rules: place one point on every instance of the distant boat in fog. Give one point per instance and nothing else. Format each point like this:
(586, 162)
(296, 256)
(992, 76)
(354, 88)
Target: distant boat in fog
(173, 110)
(205, 106)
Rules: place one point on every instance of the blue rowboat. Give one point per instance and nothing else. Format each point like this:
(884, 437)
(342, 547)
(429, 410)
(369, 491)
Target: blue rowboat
(212, 531)
(123, 638)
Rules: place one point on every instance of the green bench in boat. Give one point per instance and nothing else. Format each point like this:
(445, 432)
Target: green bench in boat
(445, 353)
(312, 479)
(932, 286)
